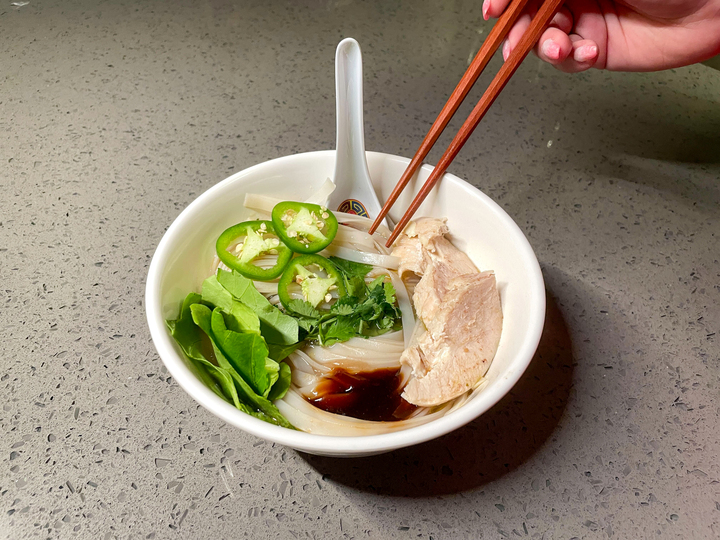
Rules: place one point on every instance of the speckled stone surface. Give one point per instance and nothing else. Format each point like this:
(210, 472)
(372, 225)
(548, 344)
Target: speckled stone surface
(116, 115)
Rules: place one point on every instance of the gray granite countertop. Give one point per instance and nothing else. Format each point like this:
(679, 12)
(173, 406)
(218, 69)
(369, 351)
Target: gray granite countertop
(117, 114)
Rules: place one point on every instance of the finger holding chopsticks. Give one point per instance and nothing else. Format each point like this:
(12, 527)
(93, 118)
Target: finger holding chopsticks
(538, 25)
(559, 45)
(491, 44)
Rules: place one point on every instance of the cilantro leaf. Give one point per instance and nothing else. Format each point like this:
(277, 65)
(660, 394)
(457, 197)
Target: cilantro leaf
(342, 310)
(389, 292)
(303, 308)
(353, 275)
(337, 330)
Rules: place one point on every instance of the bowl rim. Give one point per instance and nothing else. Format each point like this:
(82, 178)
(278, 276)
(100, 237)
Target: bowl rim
(339, 445)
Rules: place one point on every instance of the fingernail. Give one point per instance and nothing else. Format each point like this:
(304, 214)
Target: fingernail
(486, 6)
(586, 53)
(551, 49)
(506, 50)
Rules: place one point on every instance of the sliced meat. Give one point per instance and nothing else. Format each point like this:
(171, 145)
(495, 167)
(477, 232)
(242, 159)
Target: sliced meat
(412, 255)
(462, 337)
(460, 308)
(423, 242)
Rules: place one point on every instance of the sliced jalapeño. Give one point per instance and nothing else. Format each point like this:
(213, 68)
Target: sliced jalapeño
(306, 271)
(240, 245)
(304, 227)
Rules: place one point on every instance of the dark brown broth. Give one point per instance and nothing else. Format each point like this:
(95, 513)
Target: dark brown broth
(371, 395)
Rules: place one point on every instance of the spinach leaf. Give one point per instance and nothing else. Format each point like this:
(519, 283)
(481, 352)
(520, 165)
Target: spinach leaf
(275, 326)
(272, 368)
(184, 330)
(246, 353)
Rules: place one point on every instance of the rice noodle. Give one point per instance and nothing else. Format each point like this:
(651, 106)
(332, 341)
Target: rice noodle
(321, 195)
(264, 203)
(306, 417)
(376, 259)
(352, 236)
(267, 287)
(406, 309)
(360, 354)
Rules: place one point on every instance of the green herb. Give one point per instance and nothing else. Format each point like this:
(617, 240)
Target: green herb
(350, 268)
(304, 309)
(353, 275)
(350, 316)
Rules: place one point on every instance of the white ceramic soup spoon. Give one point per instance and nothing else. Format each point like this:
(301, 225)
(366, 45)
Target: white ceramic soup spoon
(354, 192)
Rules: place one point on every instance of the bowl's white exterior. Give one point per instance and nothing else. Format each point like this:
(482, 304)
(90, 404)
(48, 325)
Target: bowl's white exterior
(478, 226)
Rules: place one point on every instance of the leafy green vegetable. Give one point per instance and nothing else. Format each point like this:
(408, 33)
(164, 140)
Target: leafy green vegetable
(189, 338)
(245, 352)
(243, 319)
(280, 388)
(281, 352)
(275, 326)
(184, 330)
(272, 368)
(251, 402)
(250, 337)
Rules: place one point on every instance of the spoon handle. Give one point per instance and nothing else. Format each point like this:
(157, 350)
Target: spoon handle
(354, 192)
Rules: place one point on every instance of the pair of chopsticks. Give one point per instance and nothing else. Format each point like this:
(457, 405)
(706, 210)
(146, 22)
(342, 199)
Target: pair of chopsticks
(495, 38)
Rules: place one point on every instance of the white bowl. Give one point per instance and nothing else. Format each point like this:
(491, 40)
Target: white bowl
(478, 226)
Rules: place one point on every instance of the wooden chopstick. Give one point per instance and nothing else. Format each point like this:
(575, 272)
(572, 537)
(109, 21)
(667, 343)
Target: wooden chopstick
(527, 42)
(489, 47)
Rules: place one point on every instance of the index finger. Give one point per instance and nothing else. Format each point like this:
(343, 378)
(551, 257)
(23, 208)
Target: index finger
(494, 8)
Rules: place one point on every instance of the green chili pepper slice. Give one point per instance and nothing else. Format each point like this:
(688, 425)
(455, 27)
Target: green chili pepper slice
(304, 227)
(239, 255)
(315, 288)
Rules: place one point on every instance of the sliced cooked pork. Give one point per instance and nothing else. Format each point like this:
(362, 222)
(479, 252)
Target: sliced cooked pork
(460, 309)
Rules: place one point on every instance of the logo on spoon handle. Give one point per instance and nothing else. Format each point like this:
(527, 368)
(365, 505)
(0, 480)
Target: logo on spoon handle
(353, 206)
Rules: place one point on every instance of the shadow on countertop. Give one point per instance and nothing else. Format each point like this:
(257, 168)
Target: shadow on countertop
(482, 451)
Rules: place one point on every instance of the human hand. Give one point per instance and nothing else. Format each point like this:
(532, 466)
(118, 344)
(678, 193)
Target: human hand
(629, 35)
